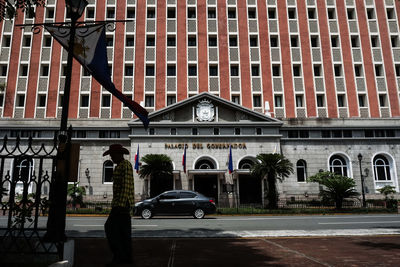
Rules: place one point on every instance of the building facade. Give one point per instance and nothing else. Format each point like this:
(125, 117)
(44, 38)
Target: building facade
(317, 81)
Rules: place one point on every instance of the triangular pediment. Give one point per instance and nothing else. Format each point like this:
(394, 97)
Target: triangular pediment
(208, 108)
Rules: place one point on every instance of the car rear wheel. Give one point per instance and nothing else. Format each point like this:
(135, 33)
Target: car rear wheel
(198, 214)
(146, 213)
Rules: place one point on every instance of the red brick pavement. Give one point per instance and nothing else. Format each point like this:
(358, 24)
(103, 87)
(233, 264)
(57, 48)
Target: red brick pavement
(326, 251)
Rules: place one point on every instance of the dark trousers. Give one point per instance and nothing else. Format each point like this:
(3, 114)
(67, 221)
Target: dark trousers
(118, 232)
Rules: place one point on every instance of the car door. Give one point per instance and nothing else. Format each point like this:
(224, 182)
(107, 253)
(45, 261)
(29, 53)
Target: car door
(166, 203)
(186, 202)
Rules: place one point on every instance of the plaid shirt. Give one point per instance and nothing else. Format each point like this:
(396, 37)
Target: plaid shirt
(123, 187)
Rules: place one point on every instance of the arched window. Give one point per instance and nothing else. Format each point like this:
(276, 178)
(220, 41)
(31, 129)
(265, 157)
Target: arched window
(381, 168)
(24, 170)
(301, 168)
(338, 165)
(246, 164)
(108, 168)
(204, 164)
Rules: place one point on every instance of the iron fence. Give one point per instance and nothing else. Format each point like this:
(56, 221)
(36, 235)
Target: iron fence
(27, 169)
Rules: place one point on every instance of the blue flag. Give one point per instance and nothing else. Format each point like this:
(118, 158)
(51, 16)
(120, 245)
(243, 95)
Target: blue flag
(230, 162)
(91, 52)
(137, 165)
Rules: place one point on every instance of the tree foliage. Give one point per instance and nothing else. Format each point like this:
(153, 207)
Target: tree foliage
(156, 166)
(272, 167)
(336, 187)
(9, 8)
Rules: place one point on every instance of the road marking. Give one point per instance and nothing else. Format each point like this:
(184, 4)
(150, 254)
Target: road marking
(302, 218)
(381, 222)
(172, 255)
(102, 225)
(296, 252)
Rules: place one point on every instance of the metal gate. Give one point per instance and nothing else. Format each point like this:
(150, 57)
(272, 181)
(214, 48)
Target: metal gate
(27, 169)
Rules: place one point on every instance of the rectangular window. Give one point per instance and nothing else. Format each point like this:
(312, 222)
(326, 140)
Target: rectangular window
(317, 70)
(253, 41)
(276, 70)
(192, 70)
(173, 131)
(130, 13)
(293, 134)
(338, 70)
(27, 41)
(370, 13)
(395, 41)
(49, 13)
(314, 41)
(331, 13)
(151, 131)
(397, 70)
(171, 13)
(110, 13)
(194, 131)
(361, 100)
(320, 101)
(216, 131)
(191, 13)
(252, 13)
(130, 41)
(326, 134)
(192, 41)
(278, 101)
(390, 13)
(41, 100)
(292, 13)
(231, 13)
(150, 41)
(46, 41)
(374, 41)
(6, 41)
(128, 70)
(299, 101)
(90, 13)
(256, 101)
(233, 41)
(378, 70)
(351, 14)
(3, 70)
(236, 99)
(84, 101)
(382, 101)
(358, 70)
(341, 101)
(258, 131)
(234, 70)
(355, 41)
(171, 70)
(151, 13)
(213, 71)
(20, 100)
(1, 99)
(311, 13)
(45, 70)
(106, 101)
(24, 70)
(171, 41)
(271, 13)
(149, 70)
(255, 70)
(211, 13)
(296, 71)
(171, 99)
(212, 41)
(109, 41)
(237, 131)
(273, 41)
(149, 101)
(294, 41)
(335, 41)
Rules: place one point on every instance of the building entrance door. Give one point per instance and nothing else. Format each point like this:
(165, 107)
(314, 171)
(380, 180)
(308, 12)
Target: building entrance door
(161, 184)
(249, 189)
(207, 185)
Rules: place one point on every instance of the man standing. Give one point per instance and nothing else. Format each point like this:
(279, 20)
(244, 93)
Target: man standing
(118, 224)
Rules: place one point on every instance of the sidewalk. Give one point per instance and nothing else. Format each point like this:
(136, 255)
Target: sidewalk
(182, 252)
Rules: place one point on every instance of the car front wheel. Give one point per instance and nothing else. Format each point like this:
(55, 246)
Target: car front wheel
(198, 214)
(146, 213)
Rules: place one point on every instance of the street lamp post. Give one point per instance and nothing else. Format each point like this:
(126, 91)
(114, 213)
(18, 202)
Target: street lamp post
(58, 194)
(362, 180)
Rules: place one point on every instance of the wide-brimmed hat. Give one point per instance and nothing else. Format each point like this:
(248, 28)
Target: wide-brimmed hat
(117, 148)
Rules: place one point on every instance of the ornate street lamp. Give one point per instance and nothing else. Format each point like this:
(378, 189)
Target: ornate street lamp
(362, 180)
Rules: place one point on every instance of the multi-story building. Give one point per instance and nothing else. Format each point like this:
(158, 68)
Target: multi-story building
(317, 81)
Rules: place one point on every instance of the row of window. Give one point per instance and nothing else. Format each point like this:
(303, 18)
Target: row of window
(339, 165)
(340, 133)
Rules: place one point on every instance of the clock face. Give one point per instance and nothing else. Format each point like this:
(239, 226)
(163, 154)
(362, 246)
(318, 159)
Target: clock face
(205, 111)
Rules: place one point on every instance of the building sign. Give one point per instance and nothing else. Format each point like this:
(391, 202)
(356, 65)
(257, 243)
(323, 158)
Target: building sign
(205, 146)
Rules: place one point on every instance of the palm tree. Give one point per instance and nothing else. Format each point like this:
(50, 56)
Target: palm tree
(272, 167)
(336, 187)
(158, 167)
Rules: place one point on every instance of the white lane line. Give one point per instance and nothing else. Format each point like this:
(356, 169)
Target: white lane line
(302, 218)
(381, 222)
(102, 225)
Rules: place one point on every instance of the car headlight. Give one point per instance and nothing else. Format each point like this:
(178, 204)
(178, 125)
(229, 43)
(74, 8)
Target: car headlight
(137, 204)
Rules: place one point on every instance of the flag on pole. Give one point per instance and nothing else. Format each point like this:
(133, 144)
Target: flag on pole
(91, 52)
(184, 159)
(230, 162)
(137, 160)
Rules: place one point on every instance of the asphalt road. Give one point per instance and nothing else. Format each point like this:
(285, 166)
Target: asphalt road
(240, 226)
